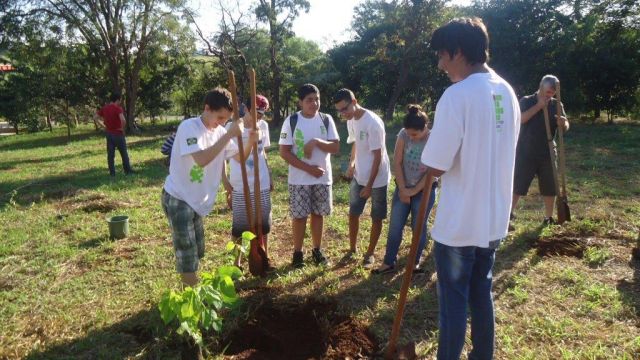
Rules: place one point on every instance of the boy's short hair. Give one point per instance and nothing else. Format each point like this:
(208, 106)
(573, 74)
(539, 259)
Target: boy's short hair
(467, 35)
(307, 89)
(550, 80)
(345, 95)
(115, 96)
(218, 98)
(415, 119)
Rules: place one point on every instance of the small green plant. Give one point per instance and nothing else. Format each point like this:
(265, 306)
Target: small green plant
(595, 256)
(234, 250)
(198, 308)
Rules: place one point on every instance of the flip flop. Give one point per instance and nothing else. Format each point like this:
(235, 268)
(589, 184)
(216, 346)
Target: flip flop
(389, 270)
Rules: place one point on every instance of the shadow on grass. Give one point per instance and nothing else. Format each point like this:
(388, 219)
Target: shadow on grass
(140, 333)
(630, 289)
(34, 141)
(24, 192)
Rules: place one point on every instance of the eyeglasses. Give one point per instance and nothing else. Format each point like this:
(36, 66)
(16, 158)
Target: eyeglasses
(344, 109)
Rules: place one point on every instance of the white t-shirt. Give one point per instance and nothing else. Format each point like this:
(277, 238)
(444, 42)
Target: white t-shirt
(369, 134)
(235, 176)
(474, 141)
(307, 129)
(189, 182)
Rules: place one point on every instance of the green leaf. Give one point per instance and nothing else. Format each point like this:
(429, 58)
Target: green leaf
(247, 236)
(230, 246)
(233, 272)
(166, 312)
(228, 290)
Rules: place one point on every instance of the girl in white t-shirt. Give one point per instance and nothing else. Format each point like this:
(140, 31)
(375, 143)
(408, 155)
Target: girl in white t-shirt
(234, 186)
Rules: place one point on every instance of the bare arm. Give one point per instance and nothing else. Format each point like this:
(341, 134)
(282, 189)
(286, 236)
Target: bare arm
(204, 157)
(375, 166)
(123, 122)
(434, 172)
(398, 157)
(291, 159)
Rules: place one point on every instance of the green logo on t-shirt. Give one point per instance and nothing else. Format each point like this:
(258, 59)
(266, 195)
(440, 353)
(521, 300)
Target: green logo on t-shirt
(197, 173)
(497, 103)
(299, 140)
(191, 141)
(363, 134)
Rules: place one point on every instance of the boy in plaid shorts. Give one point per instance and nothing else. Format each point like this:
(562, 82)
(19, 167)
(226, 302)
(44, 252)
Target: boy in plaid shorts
(307, 139)
(197, 165)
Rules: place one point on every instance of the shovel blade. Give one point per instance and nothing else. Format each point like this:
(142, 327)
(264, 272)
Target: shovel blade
(564, 214)
(258, 261)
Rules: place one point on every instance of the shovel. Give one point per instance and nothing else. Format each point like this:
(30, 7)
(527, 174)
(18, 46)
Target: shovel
(258, 260)
(560, 209)
(408, 350)
(562, 202)
(243, 169)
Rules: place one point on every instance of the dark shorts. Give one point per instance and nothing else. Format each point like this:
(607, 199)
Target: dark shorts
(378, 201)
(528, 167)
(240, 223)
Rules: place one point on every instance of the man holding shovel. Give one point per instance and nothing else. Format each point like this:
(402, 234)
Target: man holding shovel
(472, 148)
(197, 162)
(533, 157)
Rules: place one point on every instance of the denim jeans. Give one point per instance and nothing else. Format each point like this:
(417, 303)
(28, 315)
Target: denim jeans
(464, 278)
(399, 213)
(113, 142)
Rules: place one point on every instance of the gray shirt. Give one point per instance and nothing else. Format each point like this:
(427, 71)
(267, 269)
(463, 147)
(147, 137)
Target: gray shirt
(412, 168)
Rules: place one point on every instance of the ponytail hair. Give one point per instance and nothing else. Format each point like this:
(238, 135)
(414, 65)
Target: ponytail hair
(416, 118)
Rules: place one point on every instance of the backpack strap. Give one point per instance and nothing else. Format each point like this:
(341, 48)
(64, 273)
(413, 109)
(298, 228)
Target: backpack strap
(325, 121)
(293, 121)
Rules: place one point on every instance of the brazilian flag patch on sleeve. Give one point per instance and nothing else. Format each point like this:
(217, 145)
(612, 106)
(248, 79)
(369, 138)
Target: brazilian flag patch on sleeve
(191, 141)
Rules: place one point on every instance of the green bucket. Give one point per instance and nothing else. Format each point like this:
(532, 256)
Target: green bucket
(118, 226)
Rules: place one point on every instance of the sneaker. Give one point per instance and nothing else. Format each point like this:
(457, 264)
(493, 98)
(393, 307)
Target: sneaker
(548, 221)
(368, 260)
(298, 260)
(384, 269)
(318, 257)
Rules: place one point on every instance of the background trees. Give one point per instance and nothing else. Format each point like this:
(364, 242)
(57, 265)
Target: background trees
(70, 55)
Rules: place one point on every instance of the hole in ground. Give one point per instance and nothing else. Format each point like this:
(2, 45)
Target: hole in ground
(311, 330)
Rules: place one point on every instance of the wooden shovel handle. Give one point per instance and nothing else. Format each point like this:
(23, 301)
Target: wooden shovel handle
(243, 169)
(408, 272)
(256, 161)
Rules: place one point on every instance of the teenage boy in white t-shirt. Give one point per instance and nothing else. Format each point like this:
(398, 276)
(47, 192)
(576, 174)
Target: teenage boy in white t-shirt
(472, 147)
(307, 139)
(197, 164)
(234, 186)
(369, 165)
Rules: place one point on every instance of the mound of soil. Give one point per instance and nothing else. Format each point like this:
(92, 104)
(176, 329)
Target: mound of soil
(308, 331)
(561, 246)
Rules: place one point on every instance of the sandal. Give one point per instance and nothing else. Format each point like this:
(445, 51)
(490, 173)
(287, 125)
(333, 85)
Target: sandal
(388, 270)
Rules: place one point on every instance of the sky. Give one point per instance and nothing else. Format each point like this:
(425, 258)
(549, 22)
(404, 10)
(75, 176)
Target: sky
(327, 23)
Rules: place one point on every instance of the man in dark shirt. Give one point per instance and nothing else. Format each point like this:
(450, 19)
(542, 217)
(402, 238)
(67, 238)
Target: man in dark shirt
(114, 124)
(532, 154)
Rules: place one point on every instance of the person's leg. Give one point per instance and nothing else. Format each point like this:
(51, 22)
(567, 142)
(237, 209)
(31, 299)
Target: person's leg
(267, 220)
(514, 202)
(481, 306)
(397, 221)
(239, 221)
(356, 207)
(547, 185)
(317, 226)
(524, 171)
(454, 266)
(299, 227)
(415, 207)
(111, 154)
(299, 208)
(121, 143)
(378, 214)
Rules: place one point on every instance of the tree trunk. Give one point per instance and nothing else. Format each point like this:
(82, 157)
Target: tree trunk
(276, 77)
(49, 121)
(401, 84)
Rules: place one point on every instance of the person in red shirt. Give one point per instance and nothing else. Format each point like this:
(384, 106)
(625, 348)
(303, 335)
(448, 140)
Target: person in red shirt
(112, 120)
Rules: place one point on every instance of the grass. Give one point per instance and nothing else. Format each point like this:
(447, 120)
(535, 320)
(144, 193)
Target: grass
(67, 291)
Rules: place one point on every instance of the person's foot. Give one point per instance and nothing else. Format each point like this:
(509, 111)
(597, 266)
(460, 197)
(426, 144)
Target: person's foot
(368, 260)
(548, 221)
(318, 257)
(298, 260)
(384, 269)
(130, 173)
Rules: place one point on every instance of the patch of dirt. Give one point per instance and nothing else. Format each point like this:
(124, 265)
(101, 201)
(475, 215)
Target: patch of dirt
(564, 246)
(311, 330)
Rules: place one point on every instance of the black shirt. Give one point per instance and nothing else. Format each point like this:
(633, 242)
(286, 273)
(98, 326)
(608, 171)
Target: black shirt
(532, 141)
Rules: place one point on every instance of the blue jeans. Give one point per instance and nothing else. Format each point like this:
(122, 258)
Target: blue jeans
(465, 277)
(113, 142)
(399, 213)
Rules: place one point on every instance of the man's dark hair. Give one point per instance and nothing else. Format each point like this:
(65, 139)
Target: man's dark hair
(415, 119)
(467, 35)
(307, 89)
(218, 98)
(115, 96)
(345, 95)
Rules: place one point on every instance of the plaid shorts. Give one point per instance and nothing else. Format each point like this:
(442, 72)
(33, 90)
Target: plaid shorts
(309, 199)
(187, 232)
(240, 222)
